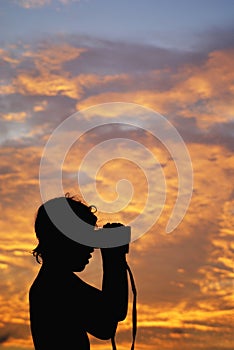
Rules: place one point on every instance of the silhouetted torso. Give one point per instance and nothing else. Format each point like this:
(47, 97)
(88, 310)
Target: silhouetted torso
(58, 310)
(63, 308)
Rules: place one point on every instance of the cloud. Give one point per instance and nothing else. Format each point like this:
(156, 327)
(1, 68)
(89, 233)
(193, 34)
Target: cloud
(52, 57)
(190, 89)
(215, 39)
(4, 338)
(7, 58)
(184, 280)
(18, 117)
(194, 91)
(46, 85)
(115, 57)
(200, 309)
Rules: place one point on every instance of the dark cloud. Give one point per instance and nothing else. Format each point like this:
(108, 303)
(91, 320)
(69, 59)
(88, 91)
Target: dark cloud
(104, 57)
(7, 169)
(16, 102)
(155, 268)
(38, 124)
(215, 38)
(219, 133)
(4, 337)
(223, 134)
(13, 330)
(115, 57)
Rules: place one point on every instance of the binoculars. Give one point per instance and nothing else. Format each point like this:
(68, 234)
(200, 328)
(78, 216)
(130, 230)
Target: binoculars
(114, 235)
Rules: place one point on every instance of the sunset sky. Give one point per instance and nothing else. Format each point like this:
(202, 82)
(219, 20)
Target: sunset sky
(173, 58)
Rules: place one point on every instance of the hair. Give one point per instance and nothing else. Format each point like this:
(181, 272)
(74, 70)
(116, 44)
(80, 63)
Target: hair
(47, 232)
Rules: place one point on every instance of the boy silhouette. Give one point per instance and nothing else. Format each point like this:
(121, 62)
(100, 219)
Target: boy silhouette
(63, 308)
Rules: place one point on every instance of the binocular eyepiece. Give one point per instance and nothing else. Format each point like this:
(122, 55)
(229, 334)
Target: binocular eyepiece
(114, 235)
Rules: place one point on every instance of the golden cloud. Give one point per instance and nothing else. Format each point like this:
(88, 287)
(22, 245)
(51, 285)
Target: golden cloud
(52, 57)
(17, 117)
(6, 57)
(202, 92)
(185, 279)
(40, 107)
(48, 85)
(210, 85)
(6, 89)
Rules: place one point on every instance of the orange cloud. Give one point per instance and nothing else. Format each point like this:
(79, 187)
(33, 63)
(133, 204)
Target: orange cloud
(210, 83)
(6, 89)
(39, 107)
(184, 280)
(49, 85)
(52, 57)
(7, 57)
(163, 306)
(202, 92)
(18, 117)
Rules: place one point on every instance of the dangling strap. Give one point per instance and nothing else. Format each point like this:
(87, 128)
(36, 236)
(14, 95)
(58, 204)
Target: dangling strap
(134, 309)
(113, 343)
(134, 312)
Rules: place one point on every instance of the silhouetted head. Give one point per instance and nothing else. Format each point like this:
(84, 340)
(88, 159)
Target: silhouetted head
(54, 246)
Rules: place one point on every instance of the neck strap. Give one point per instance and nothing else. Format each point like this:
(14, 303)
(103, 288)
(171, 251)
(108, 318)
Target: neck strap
(134, 312)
